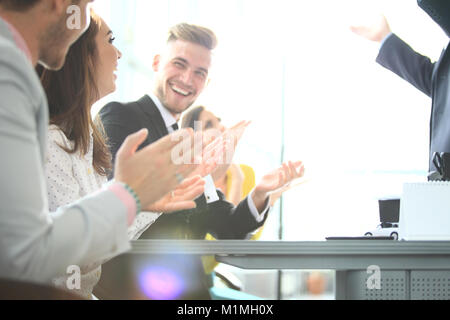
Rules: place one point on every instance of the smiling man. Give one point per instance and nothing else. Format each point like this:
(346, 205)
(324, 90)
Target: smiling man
(181, 75)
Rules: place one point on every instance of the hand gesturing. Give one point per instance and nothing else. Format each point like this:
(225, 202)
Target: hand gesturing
(277, 180)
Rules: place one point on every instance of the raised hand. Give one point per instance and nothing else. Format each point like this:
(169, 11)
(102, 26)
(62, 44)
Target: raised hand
(151, 172)
(211, 156)
(182, 198)
(274, 196)
(375, 32)
(276, 180)
(218, 151)
(232, 136)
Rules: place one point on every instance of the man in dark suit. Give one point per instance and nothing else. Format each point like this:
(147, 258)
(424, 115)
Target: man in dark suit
(181, 75)
(430, 78)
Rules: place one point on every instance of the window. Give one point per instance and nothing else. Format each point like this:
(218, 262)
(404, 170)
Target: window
(310, 86)
(313, 92)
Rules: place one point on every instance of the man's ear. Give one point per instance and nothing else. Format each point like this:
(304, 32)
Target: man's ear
(156, 62)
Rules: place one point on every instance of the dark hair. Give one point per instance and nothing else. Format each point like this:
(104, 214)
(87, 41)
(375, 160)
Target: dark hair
(190, 117)
(194, 34)
(71, 92)
(18, 5)
(22, 5)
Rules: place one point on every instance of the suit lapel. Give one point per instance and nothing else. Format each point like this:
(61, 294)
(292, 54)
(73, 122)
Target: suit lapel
(156, 125)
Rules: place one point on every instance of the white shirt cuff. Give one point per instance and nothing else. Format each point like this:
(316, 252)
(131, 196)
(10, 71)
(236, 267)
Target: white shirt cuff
(258, 216)
(210, 190)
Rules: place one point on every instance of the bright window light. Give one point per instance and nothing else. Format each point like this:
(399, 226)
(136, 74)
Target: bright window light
(312, 90)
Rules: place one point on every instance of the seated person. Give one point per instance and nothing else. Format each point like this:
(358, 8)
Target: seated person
(181, 74)
(236, 183)
(78, 158)
(37, 246)
(239, 180)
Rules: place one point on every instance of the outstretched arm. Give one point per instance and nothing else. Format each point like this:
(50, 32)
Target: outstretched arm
(375, 32)
(398, 56)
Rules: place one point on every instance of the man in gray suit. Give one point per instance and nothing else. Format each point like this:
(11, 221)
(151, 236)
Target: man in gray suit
(36, 246)
(430, 78)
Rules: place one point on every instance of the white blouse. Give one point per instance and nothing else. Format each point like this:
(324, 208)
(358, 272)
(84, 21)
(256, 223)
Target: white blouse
(71, 177)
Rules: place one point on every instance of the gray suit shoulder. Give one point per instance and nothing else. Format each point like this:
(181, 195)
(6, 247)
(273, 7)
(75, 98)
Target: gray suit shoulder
(16, 70)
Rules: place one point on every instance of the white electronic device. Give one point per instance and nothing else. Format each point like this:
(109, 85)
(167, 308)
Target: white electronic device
(425, 211)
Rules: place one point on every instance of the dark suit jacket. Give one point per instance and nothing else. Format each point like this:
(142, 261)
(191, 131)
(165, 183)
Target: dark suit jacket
(221, 219)
(430, 78)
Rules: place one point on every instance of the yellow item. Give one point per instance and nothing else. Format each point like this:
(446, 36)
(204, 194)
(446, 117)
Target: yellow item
(209, 263)
(247, 185)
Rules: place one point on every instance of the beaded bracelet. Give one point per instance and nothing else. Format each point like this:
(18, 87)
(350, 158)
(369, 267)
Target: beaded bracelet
(135, 196)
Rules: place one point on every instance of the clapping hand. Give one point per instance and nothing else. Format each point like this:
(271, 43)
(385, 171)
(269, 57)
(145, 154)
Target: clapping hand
(231, 136)
(211, 155)
(276, 181)
(152, 171)
(219, 150)
(182, 198)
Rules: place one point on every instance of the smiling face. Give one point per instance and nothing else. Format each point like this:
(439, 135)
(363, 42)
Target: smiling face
(107, 60)
(181, 74)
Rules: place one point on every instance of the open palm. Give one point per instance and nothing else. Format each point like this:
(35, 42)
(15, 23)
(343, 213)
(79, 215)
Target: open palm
(281, 177)
(375, 32)
(182, 198)
(217, 155)
(231, 136)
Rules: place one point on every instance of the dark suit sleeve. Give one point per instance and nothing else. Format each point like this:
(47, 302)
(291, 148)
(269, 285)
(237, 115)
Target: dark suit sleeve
(225, 221)
(118, 121)
(401, 59)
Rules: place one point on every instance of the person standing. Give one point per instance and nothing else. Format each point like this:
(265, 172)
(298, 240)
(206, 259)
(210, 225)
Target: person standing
(432, 78)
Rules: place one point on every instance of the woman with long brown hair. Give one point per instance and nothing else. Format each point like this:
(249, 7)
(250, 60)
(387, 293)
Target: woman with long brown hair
(78, 158)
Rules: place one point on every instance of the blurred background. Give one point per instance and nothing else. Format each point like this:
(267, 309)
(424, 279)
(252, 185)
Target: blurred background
(313, 92)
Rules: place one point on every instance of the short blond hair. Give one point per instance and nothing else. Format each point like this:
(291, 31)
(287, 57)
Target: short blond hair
(194, 34)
